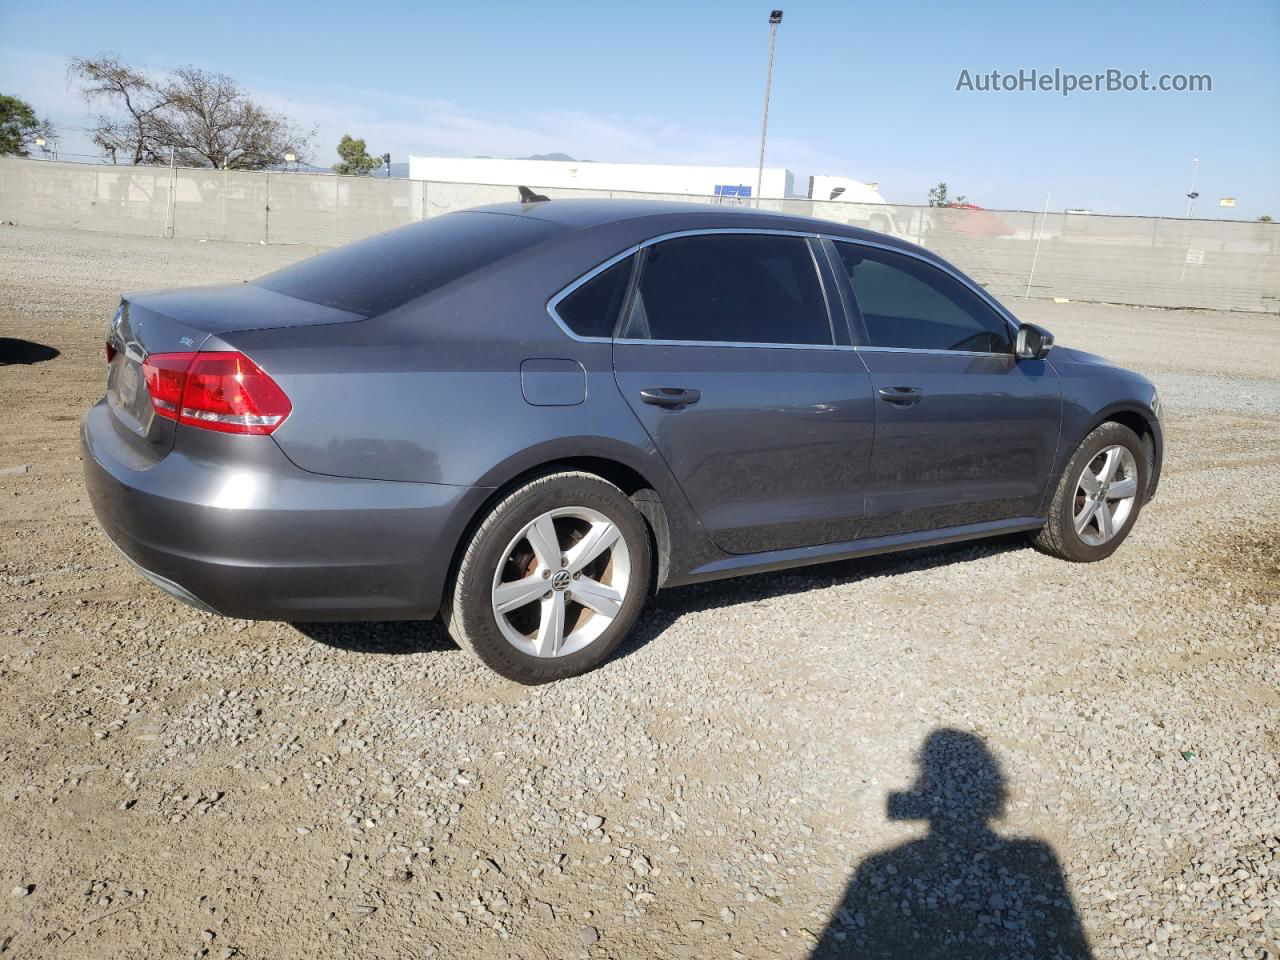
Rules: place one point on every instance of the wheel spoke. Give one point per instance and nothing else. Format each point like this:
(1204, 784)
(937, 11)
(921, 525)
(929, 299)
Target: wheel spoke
(600, 597)
(598, 539)
(1122, 489)
(1105, 527)
(546, 544)
(558, 582)
(1086, 514)
(1090, 483)
(1108, 471)
(513, 595)
(551, 627)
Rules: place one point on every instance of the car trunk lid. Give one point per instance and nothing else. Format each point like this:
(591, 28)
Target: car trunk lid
(184, 321)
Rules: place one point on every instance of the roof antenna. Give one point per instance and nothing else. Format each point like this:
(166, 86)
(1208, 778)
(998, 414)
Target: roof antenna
(528, 196)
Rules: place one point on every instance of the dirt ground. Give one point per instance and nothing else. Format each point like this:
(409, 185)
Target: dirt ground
(750, 777)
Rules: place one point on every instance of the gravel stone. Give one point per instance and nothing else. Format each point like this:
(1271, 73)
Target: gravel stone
(974, 732)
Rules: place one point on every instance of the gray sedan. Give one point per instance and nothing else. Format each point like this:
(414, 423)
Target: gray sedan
(526, 418)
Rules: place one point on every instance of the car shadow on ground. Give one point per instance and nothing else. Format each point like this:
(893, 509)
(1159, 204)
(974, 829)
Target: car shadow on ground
(670, 605)
(24, 351)
(962, 891)
(395, 637)
(408, 637)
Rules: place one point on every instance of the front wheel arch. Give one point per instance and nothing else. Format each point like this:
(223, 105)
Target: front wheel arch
(1142, 422)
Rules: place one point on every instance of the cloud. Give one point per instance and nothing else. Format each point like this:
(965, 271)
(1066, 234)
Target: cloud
(402, 124)
(405, 124)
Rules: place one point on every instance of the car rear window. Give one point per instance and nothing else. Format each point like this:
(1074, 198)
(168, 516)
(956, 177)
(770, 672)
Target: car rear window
(386, 271)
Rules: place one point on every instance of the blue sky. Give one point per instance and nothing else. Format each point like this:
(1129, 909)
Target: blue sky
(865, 90)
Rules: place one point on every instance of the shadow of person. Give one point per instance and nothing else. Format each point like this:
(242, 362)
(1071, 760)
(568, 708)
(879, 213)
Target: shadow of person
(963, 891)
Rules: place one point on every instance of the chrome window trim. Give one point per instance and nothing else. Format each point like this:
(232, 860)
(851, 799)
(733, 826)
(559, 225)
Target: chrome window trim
(555, 301)
(712, 231)
(587, 277)
(939, 352)
(734, 343)
(968, 284)
(982, 294)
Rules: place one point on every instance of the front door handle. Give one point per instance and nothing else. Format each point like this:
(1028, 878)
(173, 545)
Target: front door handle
(901, 396)
(673, 398)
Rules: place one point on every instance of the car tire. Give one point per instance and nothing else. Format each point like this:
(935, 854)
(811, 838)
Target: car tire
(1094, 498)
(496, 610)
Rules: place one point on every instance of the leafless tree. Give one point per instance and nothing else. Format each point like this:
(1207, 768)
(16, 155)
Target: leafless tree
(205, 118)
(136, 96)
(210, 120)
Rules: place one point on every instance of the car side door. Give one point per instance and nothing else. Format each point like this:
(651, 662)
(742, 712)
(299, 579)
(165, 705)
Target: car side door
(965, 431)
(743, 375)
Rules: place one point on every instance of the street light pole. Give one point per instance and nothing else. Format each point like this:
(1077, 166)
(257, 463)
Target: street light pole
(775, 18)
(1191, 194)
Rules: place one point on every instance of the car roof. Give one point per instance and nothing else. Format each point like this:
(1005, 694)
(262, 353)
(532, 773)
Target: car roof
(585, 214)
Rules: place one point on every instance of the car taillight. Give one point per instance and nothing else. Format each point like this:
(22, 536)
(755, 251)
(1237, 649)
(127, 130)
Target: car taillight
(224, 391)
(111, 353)
(166, 373)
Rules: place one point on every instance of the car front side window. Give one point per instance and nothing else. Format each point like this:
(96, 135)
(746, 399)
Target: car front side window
(730, 288)
(909, 304)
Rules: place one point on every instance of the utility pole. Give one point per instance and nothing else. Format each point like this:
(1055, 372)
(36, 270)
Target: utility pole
(1191, 194)
(775, 18)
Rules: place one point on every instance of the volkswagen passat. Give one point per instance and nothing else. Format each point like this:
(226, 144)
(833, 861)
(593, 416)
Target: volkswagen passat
(526, 418)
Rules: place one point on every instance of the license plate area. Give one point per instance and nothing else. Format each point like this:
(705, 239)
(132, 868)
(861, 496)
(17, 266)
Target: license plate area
(127, 393)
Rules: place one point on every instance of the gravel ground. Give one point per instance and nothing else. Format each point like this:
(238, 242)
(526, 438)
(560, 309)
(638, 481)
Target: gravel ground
(872, 758)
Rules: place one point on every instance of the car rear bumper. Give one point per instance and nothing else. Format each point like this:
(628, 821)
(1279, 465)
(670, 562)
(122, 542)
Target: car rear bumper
(258, 537)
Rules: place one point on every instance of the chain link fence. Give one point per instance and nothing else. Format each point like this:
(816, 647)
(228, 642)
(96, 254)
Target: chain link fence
(1147, 261)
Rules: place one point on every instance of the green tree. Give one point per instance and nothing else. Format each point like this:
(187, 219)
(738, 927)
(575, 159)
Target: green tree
(1265, 218)
(19, 127)
(938, 196)
(355, 161)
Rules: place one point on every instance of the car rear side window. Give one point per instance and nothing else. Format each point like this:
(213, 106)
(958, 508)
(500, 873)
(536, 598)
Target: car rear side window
(730, 288)
(388, 270)
(592, 309)
(907, 303)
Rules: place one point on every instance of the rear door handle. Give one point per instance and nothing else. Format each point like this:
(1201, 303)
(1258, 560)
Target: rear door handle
(901, 396)
(673, 398)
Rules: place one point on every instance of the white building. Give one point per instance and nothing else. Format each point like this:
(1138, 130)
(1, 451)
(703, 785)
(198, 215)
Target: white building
(777, 183)
(843, 190)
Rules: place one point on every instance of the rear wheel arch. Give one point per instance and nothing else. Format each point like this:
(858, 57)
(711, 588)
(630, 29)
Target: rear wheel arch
(504, 562)
(641, 491)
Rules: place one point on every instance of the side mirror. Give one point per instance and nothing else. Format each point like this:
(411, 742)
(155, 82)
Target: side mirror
(1033, 342)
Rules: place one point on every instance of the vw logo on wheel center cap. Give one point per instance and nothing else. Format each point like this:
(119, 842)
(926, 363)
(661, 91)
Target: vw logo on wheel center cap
(561, 580)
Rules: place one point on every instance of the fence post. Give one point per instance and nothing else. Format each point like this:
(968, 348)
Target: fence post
(1039, 236)
(171, 211)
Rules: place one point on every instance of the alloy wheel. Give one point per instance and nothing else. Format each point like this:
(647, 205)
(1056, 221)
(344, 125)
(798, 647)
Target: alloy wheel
(562, 581)
(1105, 495)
